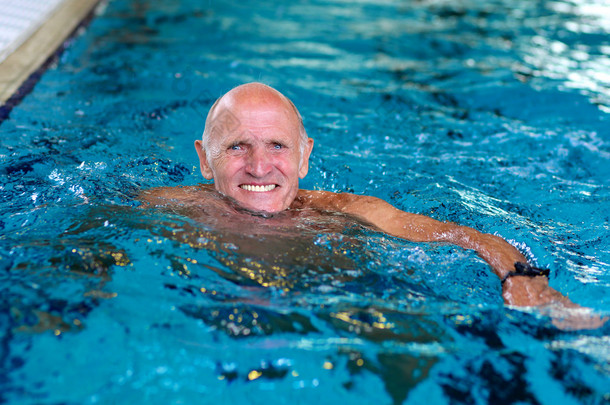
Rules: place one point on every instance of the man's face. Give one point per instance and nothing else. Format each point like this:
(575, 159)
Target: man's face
(255, 154)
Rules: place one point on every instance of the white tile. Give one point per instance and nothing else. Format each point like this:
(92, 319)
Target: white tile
(21, 18)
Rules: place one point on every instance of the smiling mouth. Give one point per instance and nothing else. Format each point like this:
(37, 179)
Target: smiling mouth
(258, 189)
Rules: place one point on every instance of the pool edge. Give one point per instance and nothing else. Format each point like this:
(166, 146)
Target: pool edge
(35, 51)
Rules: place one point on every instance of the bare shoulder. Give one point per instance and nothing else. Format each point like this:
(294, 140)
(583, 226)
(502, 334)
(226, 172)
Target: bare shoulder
(322, 200)
(362, 206)
(374, 211)
(176, 195)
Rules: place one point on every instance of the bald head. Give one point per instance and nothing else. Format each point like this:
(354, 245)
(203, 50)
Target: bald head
(222, 115)
(255, 148)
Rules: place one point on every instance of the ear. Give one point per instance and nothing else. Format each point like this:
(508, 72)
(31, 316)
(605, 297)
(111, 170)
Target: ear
(206, 170)
(304, 168)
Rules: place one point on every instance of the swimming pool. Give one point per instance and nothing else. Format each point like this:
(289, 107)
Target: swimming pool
(492, 114)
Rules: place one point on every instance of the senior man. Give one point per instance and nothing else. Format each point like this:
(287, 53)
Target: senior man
(255, 149)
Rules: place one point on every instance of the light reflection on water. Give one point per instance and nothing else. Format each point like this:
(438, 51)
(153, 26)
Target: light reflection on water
(491, 114)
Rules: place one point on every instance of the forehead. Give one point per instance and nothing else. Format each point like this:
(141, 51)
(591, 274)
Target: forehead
(254, 120)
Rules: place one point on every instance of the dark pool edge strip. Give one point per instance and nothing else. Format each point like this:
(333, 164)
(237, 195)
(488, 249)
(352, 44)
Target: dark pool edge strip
(28, 84)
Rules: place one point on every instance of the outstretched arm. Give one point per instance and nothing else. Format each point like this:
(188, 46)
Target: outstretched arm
(501, 256)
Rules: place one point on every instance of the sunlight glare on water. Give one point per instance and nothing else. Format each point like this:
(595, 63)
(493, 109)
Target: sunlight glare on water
(492, 114)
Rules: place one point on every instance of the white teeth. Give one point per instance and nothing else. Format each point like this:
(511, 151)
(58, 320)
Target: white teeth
(258, 189)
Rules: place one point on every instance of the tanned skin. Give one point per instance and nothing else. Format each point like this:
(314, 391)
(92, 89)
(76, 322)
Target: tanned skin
(255, 149)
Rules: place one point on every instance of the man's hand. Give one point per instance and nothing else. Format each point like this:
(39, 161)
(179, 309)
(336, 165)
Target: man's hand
(518, 291)
(524, 291)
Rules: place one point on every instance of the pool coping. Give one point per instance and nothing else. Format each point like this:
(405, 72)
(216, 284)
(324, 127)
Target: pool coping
(35, 51)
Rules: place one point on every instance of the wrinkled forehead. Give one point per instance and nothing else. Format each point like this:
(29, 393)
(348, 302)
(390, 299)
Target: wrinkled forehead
(232, 114)
(252, 100)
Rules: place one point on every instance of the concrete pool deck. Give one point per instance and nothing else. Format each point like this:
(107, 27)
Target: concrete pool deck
(35, 37)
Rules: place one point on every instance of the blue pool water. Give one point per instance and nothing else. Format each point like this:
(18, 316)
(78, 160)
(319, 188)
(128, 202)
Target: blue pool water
(492, 114)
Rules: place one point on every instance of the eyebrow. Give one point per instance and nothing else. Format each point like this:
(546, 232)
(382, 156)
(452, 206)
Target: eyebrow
(237, 139)
(232, 139)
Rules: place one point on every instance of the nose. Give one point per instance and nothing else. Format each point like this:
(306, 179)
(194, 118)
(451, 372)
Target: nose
(258, 163)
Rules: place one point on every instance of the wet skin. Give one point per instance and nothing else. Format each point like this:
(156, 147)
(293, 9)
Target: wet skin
(259, 161)
(253, 151)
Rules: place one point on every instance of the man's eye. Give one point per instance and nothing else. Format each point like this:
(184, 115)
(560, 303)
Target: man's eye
(277, 146)
(235, 147)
